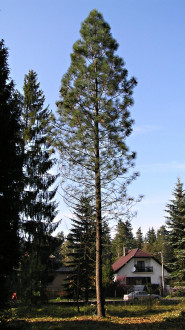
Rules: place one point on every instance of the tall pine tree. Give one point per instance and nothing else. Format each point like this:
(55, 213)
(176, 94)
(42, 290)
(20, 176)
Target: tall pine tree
(10, 173)
(40, 208)
(93, 124)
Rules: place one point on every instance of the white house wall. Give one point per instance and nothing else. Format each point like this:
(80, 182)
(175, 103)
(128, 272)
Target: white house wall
(155, 275)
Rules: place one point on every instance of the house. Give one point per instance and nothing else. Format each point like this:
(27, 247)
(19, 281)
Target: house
(137, 269)
(59, 278)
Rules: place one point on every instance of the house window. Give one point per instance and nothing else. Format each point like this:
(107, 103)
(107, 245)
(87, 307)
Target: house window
(138, 280)
(140, 265)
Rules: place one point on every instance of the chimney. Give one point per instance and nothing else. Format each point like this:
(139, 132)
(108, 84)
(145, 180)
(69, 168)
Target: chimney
(125, 251)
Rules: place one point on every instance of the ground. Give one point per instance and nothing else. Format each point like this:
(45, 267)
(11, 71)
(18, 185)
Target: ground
(163, 314)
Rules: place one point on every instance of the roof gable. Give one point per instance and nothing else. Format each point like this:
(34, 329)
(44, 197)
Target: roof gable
(136, 253)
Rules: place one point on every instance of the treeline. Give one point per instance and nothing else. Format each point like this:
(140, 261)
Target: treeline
(27, 187)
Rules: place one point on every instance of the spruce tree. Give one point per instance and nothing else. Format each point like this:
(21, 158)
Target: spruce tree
(81, 250)
(176, 228)
(139, 238)
(123, 239)
(150, 241)
(92, 127)
(161, 244)
(107, 262)
(39, 205)
(10, 173)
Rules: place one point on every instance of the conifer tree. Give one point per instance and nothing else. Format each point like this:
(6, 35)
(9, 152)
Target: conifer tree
(107, 262)
(150, 240)
(10, 173)
(123, 239)
(81, 250)
(139, 238)
(176, 228)
(92, 127)
(161, 244)
(39, 205)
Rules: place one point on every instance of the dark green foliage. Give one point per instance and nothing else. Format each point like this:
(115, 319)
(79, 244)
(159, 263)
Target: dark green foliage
(81, 251)
(107, 272)
(139, 238)
(123, 239)
(150, 240)
(156, 243)
(10, 173)
(39, 207)
(176, 228)
(162, 244)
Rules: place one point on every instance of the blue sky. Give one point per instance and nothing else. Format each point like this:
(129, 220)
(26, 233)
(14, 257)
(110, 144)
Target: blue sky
(151, 35)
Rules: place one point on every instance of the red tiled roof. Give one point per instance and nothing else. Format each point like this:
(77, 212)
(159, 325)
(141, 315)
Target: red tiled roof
(137, 253)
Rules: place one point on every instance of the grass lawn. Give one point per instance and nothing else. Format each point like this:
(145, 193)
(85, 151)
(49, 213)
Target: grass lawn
(164, 314)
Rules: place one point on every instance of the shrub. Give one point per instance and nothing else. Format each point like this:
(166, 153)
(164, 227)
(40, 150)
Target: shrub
(177, 291)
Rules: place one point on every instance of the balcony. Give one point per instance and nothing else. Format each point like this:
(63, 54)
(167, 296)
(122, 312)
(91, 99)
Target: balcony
(147, 269)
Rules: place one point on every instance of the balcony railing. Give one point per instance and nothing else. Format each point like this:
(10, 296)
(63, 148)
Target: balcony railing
(147, 269)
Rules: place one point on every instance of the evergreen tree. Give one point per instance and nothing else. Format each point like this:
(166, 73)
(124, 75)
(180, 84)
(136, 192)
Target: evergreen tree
(40, 208)
(176, 228)
(10, 173)
(139, 238)
(93, 124)
(161, 244)
(150, 240)
(107, 272)
(123, 239)
(81, 250)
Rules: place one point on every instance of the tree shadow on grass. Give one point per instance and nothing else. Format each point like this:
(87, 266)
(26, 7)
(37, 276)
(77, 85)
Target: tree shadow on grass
(177, 323)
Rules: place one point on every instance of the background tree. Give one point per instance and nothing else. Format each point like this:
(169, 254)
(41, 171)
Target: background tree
(150, 240)
(123, 239)
(176, 228)
(10, 173)
(93, 124)
(39, 205)
(161, 244)
(139, 238)
(107, 272)
(81, 251)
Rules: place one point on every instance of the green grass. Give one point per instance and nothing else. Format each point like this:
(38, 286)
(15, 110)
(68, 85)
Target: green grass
(164, 314)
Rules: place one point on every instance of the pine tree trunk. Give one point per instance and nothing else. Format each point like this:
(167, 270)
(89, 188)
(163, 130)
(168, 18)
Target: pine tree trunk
(99, 288)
